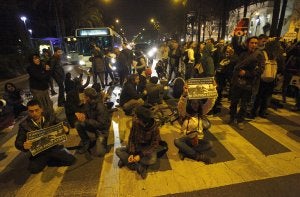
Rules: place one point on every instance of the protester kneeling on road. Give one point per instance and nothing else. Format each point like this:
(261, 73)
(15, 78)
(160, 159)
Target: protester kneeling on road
(56, 155)
(143, 143)
(94, 117)
(192, 144)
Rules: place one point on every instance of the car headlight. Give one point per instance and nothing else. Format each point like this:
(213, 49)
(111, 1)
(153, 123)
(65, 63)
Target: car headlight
(114, 68)
(81, 62)
(113, 60)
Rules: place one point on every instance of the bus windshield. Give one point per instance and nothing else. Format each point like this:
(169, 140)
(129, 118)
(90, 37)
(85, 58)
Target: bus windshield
(84, 43)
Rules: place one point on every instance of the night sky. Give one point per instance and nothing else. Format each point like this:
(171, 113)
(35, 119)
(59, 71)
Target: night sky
(136, 14)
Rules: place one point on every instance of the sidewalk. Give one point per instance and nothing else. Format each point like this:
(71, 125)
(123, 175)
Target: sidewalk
(14, 80)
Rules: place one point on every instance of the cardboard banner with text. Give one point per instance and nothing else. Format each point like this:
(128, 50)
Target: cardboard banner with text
(201, 88)
(46, 138)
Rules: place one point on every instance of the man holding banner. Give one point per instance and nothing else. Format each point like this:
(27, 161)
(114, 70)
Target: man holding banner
(41, 136)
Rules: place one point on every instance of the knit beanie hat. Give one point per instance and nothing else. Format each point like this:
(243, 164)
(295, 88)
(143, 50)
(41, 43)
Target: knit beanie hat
(143, 113)
(91, 93)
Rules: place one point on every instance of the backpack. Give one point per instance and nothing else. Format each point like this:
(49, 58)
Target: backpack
(270, 71)
(185, 57)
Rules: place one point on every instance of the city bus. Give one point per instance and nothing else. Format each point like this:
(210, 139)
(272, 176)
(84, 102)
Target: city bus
(103, 37)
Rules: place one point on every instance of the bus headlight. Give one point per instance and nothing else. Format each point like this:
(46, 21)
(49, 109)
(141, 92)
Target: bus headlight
(113, 60)
(81, 63)
(152, 52)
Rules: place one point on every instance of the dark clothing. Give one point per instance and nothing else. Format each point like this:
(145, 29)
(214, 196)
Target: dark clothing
(143, 140)
(71, 84)
(28, 125)
(98, 66)
(97, 120)
(142, 84)
(15, 100)
(154, 93)
(224, 75)
(108, 70)
(38, 77)
(39, 85)
(140, 67)
(58, 75)
(122, 68)
(55, 155)
(129, 58)
(252, 64)
(6, 117)
(174, 55)
(129, 92)
(265, 92)
(238, 94)
(208, 61)
(58, 72)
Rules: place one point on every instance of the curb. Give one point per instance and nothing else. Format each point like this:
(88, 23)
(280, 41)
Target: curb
(14, 80)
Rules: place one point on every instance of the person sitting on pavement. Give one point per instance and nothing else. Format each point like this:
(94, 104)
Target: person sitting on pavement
(56, 155)
(130, 97)
(93, 117)
(73, 102)
(143, 143)
(154, 91)
(192, 144)
(12, 95)
(71, 84)
(6, 115)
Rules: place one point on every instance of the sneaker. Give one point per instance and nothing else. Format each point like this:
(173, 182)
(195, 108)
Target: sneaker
(241, 125)
(204, 158)
(84, 148)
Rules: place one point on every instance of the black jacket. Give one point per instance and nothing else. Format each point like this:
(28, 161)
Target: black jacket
(38, 77)
(97, 115)
(129, 92)
(253, 64)
(58, 72)
(27, 125)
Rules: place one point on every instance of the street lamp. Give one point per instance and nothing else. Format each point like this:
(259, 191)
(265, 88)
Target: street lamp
(23, 18)
(117, 20)
(30, 31)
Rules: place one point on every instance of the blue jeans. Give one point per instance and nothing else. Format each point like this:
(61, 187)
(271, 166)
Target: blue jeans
(184, 144)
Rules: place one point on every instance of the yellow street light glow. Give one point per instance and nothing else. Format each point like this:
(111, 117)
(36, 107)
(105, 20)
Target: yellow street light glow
(117, 21)
(152, 20)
